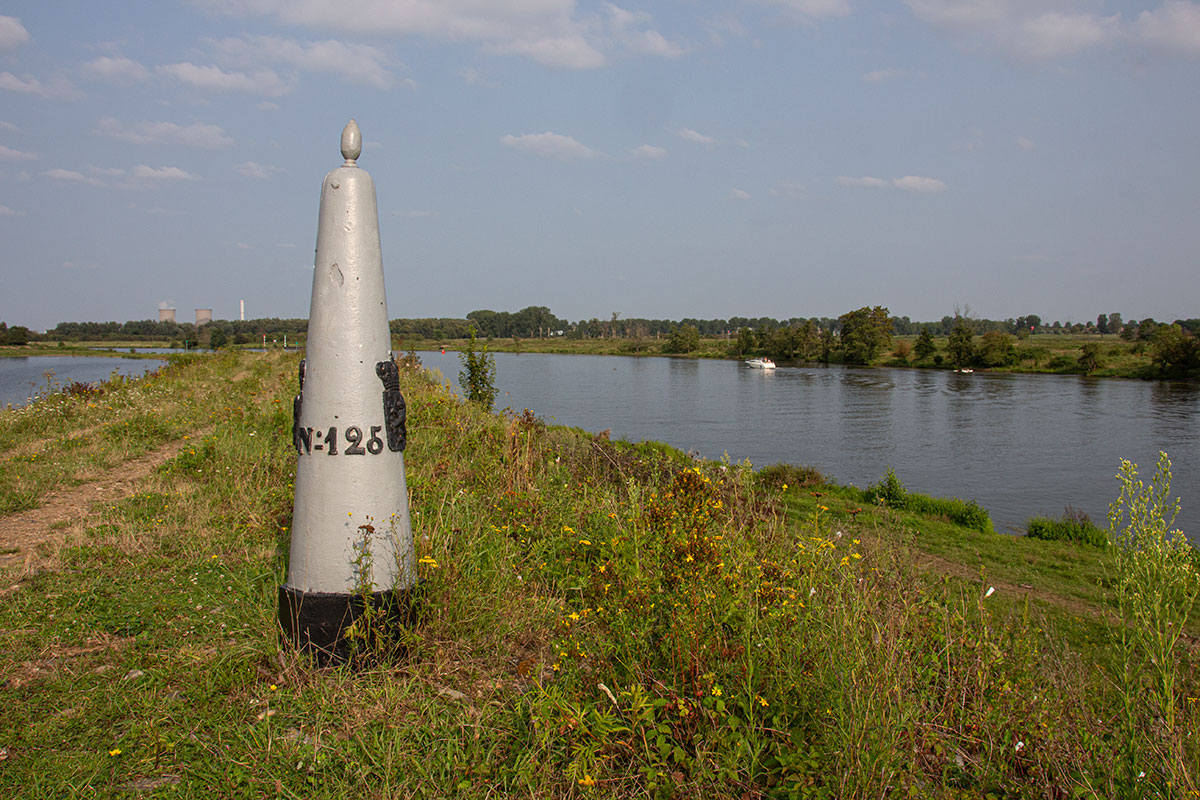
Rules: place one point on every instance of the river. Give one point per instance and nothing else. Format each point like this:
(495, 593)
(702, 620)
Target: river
(1021, 445)
(21, 377)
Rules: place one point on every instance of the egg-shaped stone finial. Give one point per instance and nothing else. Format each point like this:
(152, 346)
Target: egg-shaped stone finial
(351, 143)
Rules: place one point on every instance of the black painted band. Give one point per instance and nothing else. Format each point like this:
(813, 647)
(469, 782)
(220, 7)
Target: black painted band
(316, 622)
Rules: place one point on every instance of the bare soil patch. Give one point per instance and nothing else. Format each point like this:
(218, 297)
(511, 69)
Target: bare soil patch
(22, 532)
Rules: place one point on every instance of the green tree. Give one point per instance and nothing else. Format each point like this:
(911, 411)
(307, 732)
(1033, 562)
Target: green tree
(746, 342)
(1089, 357)
(1174, 349)
(782, 343)
(684, 339)
(865, 332)
(218, 339)
(961, 344)
(17, 334)
(827, 343)
(1102, 323)
(925, 346)
(808, 340)
(478, 377)
(996, 349)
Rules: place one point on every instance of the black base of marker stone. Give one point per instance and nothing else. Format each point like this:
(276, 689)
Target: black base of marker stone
(317, 622)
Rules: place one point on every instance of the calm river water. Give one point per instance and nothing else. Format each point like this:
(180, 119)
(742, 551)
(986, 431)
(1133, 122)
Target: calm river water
(22, 377)
(1022, 445)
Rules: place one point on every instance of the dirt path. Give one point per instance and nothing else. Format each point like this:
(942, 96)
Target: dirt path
(23, 531)
(927, 562)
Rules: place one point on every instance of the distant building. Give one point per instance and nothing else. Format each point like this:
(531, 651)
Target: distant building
(166, 315)
(203, 315)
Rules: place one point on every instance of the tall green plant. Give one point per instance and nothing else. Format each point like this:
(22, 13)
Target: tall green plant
(478, 377)
(1157, 585)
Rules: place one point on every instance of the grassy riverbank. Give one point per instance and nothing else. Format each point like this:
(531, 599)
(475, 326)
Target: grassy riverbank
(601, 620)
(108, 349)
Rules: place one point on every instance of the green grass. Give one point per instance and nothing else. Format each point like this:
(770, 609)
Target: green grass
(604, 619)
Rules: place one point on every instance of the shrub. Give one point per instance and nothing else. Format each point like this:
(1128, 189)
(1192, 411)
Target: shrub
(1075, 526)
(1089, 357)
(892, 493)
(777, 475)
(1157, 587)
(967, 513)
(888, 491)
(478, 378)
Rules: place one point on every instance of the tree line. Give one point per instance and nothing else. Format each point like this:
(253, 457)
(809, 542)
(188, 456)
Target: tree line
(856, 337)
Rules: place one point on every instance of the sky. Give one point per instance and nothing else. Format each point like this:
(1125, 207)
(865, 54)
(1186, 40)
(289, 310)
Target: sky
(680, 158)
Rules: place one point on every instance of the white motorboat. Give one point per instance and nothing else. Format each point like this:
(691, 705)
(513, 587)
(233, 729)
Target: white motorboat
(760, 363)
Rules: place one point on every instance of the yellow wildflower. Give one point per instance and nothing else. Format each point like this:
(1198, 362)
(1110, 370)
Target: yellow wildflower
(587, 780)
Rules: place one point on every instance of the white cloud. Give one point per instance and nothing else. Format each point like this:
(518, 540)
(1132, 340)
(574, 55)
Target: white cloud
(913, 183)
(5, 211)
(1053, 34)
(357, 63)
(1031, 29)
(253, 169)
(117, 70)
(243, 246)
(12, 34)
(909, 183)
(550, 145)
(31, 85)
(814, 9)
(568, 52)
(473, 77)
(73, 176)
(738, 194)
(1174, 27)
(689, 135)
(651, 152)
(787, 189)
(553, 32)
(208, 137)
(162, 173)
(874, 183)
(267, 105)
(266, 82)
(8, 126)
(625, 28)
(1025, 144)
(16, 155)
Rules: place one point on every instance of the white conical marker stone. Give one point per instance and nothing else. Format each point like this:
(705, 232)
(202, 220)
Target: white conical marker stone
(351, 534)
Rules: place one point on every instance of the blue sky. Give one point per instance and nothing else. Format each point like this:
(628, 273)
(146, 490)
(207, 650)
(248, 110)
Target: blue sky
(670, 159)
